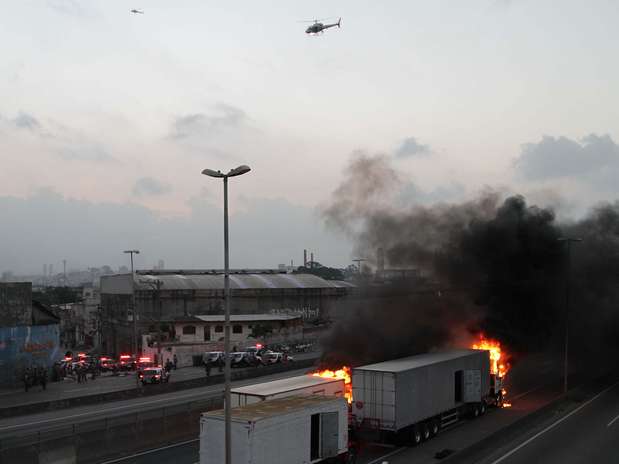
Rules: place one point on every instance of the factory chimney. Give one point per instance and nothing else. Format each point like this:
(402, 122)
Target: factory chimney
(304, 258)
(312, 260)
(380, 263)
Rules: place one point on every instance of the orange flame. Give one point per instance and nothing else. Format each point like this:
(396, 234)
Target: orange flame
(498, 362)
(343, 374)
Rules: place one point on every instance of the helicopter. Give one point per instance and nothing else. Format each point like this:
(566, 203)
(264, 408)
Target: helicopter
(319, 27)
(134, 11)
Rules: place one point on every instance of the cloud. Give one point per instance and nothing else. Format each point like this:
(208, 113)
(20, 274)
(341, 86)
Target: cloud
(71, 8)
(221, 118)
(26, 121)
(410, 147)
(85, 152)
(91, 234)
(593, 160)
(411, 194)
(150, 186)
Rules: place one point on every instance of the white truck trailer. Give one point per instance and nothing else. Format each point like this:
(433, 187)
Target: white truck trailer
(408, 400)
(293, 386)
(291, 430)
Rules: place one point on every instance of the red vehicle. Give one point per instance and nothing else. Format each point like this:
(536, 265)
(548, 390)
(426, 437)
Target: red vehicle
(127, 362)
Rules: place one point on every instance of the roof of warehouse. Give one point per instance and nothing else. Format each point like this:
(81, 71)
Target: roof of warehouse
(412, 362)
(237, 281)
(245, 317)
(276, 407)
(284, 385)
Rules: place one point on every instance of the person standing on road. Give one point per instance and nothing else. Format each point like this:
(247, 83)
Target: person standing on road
(26, 379)
(175, 361)
(207, 368)
(43, 378)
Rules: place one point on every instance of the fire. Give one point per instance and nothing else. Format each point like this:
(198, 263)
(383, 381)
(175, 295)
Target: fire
(498, 362)
(342, 373)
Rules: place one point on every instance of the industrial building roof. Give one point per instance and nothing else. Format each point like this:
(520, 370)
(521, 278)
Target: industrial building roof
(277, 407)
(413, 362)
(248, 317)
(237, 281)
(284, 385)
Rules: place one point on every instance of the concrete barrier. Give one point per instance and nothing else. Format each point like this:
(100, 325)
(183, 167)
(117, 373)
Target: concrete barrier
(119, 395)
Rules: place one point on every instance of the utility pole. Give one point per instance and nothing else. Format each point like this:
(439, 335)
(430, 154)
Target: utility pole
(134, 311)
(569, 242)
(156, 286)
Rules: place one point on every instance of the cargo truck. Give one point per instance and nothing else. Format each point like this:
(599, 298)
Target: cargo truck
(291, 430)
(408, 400)
(293, 386)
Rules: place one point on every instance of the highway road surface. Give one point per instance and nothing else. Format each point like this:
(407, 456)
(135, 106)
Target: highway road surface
(33, 423)
(586, 432)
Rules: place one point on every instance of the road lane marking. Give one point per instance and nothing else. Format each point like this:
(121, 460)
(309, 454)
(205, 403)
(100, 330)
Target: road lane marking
(155, 450)
(553, 425)
(196, 394)
(511, 398)
(56, 419)
(612, 421)
(388, 455)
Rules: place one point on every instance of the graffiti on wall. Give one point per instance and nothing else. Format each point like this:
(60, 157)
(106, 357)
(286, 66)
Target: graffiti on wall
(27, 346)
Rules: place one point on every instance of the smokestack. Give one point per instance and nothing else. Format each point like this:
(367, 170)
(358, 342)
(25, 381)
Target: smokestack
(380, 262)
(304, 258)
(312, 260)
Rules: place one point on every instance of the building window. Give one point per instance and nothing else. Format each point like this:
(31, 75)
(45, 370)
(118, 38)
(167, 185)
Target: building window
(219, 328)
(207, 333)
(189, 330)
(237, 329)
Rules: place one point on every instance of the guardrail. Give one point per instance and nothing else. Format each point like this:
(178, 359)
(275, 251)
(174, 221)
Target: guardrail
(214, 379)
(103, 439)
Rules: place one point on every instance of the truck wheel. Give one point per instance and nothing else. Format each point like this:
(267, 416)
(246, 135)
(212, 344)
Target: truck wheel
(476, 411)
(425, 432)
(434, 427)
(416, 435)
(482, 408)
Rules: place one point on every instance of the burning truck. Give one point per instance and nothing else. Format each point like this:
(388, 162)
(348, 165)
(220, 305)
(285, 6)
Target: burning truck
(404, 401)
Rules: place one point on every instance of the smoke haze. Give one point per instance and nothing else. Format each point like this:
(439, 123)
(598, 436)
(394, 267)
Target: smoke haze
(494, 265)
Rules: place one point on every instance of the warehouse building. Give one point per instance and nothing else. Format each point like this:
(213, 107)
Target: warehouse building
(165, 295)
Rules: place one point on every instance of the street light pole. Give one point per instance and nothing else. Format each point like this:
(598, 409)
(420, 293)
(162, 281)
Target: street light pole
(227, 402)
(134, 309)
(569, 242)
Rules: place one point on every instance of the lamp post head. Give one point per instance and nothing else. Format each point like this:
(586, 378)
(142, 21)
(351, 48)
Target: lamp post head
(233, 172)
(137, 252)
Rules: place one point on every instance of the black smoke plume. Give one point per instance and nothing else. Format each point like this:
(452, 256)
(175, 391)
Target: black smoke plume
(494, 265)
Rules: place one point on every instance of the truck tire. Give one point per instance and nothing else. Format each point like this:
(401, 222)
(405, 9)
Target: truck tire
(434, 427)
(482, 408)
(425, 432)
(475, 412)
(416, 438)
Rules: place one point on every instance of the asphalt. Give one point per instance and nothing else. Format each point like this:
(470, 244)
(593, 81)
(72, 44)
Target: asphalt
(107, 383)
(33, 423)
(583, 432)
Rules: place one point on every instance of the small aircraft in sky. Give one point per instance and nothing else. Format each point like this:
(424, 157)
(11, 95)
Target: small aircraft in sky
(134, 11)
(319, 27)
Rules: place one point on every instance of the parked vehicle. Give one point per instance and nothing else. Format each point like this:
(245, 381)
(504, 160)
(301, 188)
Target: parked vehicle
(107, 364)
(213, 357)
(127, 362)
(292, 430)
(154, 375)
(272, 357)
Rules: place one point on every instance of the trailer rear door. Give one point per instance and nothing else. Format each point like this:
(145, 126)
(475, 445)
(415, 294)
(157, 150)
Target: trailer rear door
(472, 386)
(328, 434)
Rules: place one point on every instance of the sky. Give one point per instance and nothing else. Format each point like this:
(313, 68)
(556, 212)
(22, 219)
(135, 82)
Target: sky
(107, 119)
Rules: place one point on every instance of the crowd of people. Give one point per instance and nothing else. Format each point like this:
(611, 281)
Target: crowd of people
(35, 376)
